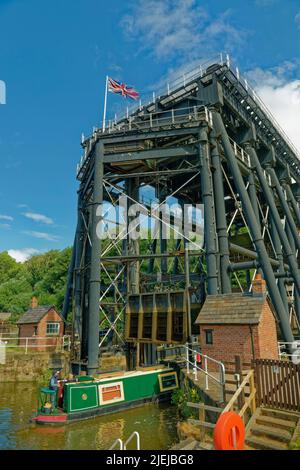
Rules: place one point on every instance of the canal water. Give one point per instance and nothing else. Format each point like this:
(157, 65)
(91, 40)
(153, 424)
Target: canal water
(156, 424)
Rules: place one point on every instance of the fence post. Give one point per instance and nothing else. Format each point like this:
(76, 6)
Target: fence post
(202, 418)
(26, 345)
(252, 390)
(195, 367)
(239, 372)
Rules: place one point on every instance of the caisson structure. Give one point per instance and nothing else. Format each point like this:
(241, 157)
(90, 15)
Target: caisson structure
(209, 140)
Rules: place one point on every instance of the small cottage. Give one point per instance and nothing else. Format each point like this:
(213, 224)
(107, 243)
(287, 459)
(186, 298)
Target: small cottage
(239, 324)
(41, 327)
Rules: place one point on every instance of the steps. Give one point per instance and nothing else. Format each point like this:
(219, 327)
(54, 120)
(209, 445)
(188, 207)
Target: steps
(271, 429)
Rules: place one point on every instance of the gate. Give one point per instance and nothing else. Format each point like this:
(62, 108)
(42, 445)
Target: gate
(277, 384)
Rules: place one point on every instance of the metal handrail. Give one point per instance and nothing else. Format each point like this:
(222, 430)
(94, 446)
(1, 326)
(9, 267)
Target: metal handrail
(117, 441)
(220, 381)
(123, 445)
(138, 440)
(29, 342)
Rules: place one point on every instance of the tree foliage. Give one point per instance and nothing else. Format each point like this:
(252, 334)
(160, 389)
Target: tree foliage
(44, 276)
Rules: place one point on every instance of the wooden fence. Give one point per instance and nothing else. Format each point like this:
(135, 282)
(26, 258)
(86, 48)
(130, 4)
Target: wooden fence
(277, 384)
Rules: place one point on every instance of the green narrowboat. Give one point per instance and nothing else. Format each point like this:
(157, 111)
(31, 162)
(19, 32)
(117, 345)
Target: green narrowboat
(86, 397)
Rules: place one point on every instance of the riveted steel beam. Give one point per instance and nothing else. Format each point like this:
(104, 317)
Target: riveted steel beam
(255, 231)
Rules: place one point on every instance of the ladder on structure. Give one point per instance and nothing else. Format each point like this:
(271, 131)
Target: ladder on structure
(123, 445)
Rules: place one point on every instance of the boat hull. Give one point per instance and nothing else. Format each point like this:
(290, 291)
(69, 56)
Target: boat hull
(89, 397)
(67, 418)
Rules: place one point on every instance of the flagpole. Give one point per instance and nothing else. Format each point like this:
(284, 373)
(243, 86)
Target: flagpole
(105, 103)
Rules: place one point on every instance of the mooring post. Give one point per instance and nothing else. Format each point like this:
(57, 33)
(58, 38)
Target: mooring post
(94, 292)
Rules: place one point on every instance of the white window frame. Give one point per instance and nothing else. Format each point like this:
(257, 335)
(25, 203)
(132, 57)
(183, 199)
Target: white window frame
(53, 323)
(114, 400)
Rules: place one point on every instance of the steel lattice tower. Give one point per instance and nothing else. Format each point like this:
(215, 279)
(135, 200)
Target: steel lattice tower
(208, 140)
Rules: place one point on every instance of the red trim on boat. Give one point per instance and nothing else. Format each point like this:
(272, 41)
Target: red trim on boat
(50, 419)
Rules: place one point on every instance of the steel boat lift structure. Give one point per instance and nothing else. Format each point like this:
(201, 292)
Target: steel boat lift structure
(208, 139)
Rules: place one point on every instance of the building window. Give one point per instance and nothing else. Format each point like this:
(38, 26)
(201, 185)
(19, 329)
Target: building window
(35, 331)
(111, 393)
(208, 336)
(52, 328)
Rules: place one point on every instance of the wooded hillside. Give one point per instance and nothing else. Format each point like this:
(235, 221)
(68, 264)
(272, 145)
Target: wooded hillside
(44, 276)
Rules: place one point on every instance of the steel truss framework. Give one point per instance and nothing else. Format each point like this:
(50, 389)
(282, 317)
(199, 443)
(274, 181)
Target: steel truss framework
(208, 142)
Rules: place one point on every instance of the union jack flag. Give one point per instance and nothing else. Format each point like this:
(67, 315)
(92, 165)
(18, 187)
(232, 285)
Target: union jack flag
(122, 89)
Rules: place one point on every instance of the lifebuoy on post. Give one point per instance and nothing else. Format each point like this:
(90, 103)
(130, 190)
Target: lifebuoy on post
(229, 432)
(198, 358)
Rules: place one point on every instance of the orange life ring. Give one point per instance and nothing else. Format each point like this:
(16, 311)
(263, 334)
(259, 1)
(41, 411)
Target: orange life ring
(229, 432)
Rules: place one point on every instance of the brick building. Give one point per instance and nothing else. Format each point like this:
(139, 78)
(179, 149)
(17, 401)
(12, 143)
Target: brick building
(43, 326)
(239, 324)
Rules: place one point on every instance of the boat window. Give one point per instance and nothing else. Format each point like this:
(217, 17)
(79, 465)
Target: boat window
(168, 381)
(111, 393)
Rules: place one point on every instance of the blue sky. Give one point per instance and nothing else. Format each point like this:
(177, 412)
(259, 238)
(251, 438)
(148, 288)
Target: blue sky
(54, 57)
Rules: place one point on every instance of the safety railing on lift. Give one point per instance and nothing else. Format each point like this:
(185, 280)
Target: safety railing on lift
(185, 80)
(123, 445)
(148, 121)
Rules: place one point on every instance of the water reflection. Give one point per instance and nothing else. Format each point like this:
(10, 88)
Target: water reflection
(155, 423)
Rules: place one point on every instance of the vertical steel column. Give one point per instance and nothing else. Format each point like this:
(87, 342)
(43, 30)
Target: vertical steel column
(253, 197)
(220, 210)
(281, 270)
(285, 206)
(69, 281)
(296, 293)
(254, 228)
(162, 229)
(78, 276)
(275, 215)
(133, 248)
(209, 216)
(293, 201)
(95, 271)
(187, 288)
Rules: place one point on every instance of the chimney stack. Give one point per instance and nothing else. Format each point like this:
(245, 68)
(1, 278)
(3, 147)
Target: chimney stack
(259, 285)
(34, 302)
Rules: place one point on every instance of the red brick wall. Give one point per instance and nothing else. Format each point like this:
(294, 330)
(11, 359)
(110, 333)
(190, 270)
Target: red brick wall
(228, 342)
(45, 342)
(232, 340)
(267, 333)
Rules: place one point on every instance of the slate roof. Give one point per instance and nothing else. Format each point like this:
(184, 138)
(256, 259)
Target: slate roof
(34, 315)
(231, 309)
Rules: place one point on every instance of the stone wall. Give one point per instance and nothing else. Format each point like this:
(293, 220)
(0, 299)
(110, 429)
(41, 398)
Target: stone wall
(20, 367)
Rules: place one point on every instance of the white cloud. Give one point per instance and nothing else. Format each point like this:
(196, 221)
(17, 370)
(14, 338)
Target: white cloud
(23, 255)
(38, 218)
(297, 19)
(42, 235)
(5, 226)
(6, 217)
(280, 91)
(179, 29)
